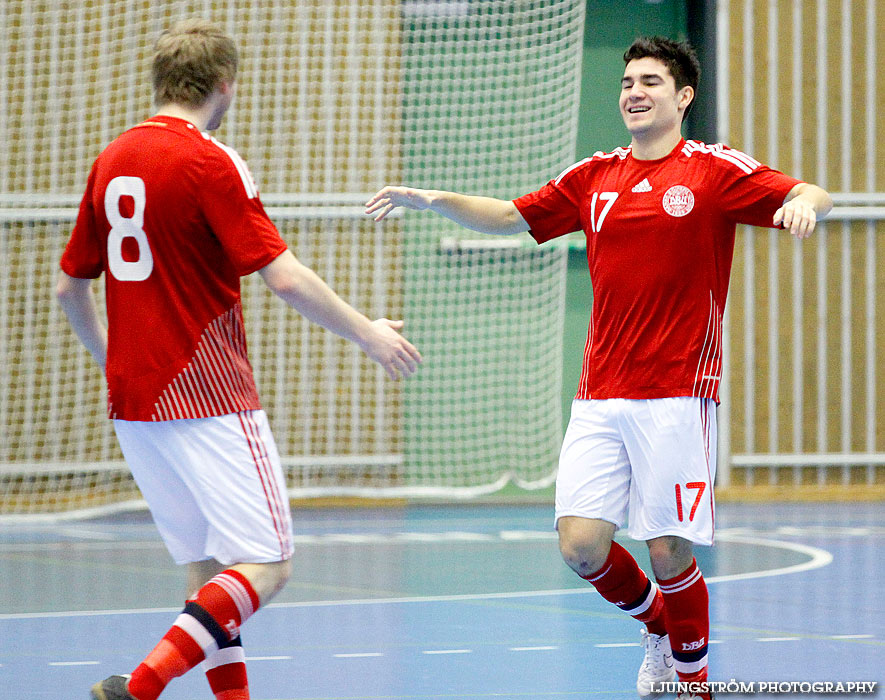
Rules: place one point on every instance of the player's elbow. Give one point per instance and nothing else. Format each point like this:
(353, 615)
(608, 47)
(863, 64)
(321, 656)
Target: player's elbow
(512, 221)
(68, 289)
(826, 205)
(289, 289)
(62, 287)
(819, 198)
(285, 277)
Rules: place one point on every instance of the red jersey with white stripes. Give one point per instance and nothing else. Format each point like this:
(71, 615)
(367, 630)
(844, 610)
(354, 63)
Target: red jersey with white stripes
(173, 219)
(660, 239)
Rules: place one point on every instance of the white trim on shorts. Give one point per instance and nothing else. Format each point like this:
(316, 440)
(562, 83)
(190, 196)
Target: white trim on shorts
(215, 486)
(648, 462)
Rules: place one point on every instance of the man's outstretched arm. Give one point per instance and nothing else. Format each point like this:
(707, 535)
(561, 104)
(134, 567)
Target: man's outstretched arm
(483, 214)
(303, 290)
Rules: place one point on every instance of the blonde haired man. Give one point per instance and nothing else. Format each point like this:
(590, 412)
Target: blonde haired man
(172, 218)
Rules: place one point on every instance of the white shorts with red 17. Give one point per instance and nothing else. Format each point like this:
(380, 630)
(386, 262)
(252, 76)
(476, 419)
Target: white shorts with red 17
(648, 462)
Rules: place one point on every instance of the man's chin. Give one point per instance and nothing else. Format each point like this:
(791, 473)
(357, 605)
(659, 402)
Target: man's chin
(638, 129)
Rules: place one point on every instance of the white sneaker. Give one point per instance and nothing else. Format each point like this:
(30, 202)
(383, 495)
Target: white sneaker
(657, 666)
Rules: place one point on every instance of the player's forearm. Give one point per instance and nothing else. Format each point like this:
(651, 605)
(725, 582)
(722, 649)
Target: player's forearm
(816, 197)
(483, 214)
(303, 290)
(78, 303)
(317, 302)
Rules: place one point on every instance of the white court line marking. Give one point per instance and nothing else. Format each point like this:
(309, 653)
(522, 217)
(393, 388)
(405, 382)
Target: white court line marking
(73, 663)
(80, 546)
(448, 651)
(358, 656)
(532, 648)
(636, 644)
(778, 639)
(268, 658)
(112, 541)
(852, 636)
(818, 558)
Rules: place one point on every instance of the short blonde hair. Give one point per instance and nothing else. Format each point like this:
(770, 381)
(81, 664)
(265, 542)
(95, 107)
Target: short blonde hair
(191, 59)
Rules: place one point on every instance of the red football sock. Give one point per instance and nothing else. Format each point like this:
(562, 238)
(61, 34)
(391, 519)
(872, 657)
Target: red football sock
(209, 621)
(688, 621)
(226, 672)
(622, 582)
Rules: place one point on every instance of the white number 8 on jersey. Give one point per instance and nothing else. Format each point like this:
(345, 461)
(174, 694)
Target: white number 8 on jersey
(127, 227)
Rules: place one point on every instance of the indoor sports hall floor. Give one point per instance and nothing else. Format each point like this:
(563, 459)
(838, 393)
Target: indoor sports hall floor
(463, 601)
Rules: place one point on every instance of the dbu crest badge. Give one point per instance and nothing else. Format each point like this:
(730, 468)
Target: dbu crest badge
(678, 200)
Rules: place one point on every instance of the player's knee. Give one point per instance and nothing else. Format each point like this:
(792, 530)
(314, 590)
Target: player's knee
(669, 556)
(267, 579)
(584, 543)
(584, 556)
(274, 578)
(283, 571)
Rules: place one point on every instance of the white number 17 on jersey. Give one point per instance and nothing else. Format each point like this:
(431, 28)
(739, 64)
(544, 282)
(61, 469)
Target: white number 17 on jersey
(609, 199)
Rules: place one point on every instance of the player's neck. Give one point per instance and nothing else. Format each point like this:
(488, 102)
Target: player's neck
(647, 147)
(194, 115)
(201, 117)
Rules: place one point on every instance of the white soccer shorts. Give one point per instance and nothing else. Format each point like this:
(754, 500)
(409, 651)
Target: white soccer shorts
(214, 486)
(650, 462)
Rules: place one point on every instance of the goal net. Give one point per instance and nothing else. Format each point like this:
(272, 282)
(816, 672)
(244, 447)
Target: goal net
(334, 101)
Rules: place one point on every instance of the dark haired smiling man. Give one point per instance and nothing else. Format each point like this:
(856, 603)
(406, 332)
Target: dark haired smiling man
(659, 217)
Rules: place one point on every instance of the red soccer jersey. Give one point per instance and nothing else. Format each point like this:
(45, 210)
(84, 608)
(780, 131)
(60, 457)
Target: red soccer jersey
(660, 238)
(173, 219)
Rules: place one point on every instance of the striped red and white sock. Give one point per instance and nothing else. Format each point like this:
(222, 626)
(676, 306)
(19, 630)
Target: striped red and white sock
(688, 622)
(208, 623)
(226, 672)
(622, 582)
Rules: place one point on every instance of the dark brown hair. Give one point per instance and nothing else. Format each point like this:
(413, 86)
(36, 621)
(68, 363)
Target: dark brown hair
(679, 57)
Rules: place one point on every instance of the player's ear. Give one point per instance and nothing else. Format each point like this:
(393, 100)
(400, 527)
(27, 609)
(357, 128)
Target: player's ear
(685, 97)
